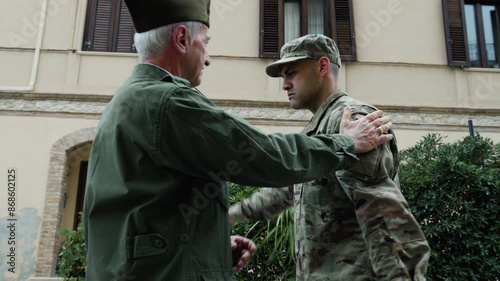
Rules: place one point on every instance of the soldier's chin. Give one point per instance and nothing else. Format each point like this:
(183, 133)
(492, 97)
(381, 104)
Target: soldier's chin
(294, 104)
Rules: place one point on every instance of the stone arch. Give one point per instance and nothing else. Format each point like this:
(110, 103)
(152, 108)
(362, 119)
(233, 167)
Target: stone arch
(48, 243)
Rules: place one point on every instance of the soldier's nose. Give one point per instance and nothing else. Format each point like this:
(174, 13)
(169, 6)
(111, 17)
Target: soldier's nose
(286, 85)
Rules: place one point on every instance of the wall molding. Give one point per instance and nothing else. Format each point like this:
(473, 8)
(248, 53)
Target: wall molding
(256, 112)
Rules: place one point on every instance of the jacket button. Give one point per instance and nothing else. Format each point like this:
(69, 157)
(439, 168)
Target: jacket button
(184, 238)
(159, 243)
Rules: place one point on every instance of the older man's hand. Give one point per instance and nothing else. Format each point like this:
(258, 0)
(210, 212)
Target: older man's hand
(368, 132)
(243, 248)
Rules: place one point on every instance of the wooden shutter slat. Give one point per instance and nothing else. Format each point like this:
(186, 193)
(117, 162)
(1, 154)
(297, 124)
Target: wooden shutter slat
(343, 27)
(102, 32)
(125, 38)
(455, 30)
(269, 28)
(109, 27)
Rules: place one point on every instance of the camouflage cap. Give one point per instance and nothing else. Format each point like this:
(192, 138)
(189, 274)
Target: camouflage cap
(312, 46)
(150, 14)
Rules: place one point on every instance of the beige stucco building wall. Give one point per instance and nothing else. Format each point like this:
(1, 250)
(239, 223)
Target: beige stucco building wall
(46, 128)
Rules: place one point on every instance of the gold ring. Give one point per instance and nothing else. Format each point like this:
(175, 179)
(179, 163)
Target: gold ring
(381, 130)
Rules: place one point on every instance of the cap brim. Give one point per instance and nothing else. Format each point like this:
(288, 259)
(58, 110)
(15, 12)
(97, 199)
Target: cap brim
(274, 69)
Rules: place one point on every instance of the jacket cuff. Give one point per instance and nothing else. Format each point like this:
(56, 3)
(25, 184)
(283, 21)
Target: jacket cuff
(347, 151)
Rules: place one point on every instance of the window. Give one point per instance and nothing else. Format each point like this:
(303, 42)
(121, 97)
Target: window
(292, 16)
(482, 34)
(472, 31)
(285, 20)
(108, 27)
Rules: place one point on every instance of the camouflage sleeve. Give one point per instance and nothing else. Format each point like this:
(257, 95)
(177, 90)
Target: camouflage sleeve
(264, 204)
(396, 244)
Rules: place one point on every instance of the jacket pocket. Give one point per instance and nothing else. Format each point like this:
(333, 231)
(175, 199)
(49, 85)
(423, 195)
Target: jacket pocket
(366, 168)
(146, 245)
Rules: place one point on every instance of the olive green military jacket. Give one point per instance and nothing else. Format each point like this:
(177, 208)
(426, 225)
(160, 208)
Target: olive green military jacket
(156, 200)
(353, 224)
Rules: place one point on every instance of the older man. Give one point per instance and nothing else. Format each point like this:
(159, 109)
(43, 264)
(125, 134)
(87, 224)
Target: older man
(353, 224)
(156, 200)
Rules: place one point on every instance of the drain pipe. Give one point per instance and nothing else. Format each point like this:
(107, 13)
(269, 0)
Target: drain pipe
(36, 57)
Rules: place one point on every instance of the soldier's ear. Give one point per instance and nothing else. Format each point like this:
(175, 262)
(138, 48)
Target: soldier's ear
(324, 66)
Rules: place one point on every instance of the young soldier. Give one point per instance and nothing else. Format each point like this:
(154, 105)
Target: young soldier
(353, 224)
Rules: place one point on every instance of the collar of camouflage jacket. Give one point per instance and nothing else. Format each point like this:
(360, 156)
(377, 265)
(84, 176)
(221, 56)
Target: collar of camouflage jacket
(151, 71)
(318, 116)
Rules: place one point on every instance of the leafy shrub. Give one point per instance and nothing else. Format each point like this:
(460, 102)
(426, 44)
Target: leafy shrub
(275, 240)
(72, 259)
(454, 192)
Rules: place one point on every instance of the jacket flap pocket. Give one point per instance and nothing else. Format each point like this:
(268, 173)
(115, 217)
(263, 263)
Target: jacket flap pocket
(146, 245)
(367, 167)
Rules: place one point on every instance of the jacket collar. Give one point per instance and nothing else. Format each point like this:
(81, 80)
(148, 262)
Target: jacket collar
(151, 71)
(318, 116)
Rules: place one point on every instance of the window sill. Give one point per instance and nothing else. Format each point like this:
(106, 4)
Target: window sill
(477, 69)
(106, 54)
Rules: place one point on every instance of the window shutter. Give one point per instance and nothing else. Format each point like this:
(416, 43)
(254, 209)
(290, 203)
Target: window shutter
(456, 37)
(125, 37)
(98, 30)
(269, 29)
(343, 29)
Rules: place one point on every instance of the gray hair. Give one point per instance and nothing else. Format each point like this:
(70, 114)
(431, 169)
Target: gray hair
(152, 43)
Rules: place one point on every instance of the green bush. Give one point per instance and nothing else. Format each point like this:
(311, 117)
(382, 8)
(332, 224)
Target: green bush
(454, 191)
(275, 240)
(72, 259)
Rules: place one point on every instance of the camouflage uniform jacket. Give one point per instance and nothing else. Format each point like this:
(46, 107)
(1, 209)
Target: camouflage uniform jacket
(354, 224)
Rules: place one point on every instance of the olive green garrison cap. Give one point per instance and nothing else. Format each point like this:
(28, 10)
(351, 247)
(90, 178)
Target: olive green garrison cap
(312, 46)
(151, 14)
